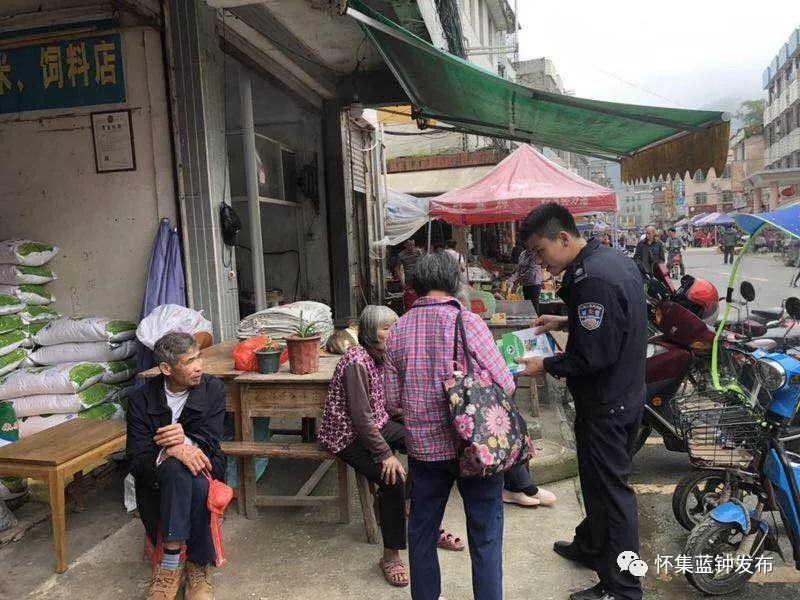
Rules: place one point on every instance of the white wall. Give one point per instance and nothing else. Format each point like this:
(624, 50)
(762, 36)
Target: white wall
(104, 223)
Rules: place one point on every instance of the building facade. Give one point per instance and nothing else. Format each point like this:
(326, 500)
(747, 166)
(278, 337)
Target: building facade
(782, 110)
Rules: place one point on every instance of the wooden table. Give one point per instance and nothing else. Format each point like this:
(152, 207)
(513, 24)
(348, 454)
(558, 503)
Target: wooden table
(283, 395)
(55, 455)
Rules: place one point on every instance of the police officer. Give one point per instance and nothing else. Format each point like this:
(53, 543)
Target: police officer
(604, 367)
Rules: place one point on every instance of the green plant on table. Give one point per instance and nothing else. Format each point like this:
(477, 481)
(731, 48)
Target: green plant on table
(270, 346)
(306, 329)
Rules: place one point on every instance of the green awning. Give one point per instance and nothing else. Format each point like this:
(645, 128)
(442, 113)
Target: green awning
(648, 141)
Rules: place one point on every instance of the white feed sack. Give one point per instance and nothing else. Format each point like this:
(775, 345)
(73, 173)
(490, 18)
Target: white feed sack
(26, 252)
(86, 352)
(279, 322)
(61, 379)
(37, 314)
(171, 317)
(11, 340)
(118, 371)
(18, 274)
(47, 404)
(36, 295)
(12, 360)
(10, 304)
(84, 329)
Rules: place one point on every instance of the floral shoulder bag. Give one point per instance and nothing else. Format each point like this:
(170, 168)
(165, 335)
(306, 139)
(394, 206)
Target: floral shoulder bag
(492, 432)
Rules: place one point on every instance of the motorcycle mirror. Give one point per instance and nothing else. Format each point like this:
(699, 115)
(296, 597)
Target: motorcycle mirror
(747, 291)
(793, 307)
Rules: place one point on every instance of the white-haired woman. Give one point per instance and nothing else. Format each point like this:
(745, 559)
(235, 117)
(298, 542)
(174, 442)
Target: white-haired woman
(357, 427)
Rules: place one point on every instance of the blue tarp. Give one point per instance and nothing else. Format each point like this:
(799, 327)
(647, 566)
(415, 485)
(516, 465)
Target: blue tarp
(787, 219)
(165, 281)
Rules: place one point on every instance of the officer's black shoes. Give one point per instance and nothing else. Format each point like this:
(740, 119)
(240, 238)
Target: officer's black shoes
(593, 593)
(571, 552)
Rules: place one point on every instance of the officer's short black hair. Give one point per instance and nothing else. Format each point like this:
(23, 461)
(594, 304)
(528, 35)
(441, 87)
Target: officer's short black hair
(548, 221)
(436, 272)
(672, 230)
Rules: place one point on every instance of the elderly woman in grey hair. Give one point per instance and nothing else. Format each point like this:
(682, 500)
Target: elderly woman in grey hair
(357, 427)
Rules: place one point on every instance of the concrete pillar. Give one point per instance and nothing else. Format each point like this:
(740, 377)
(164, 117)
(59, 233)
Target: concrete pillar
(758, 201)
(198, 113)
(338, 194)
(774, 197)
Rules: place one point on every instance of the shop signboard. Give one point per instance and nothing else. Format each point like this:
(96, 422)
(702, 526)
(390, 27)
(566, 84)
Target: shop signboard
(61, 73)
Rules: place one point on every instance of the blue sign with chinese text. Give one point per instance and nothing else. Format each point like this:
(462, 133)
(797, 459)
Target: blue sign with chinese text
(62, 73)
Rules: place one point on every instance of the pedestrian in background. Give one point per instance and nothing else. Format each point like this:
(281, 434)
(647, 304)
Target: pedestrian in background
(729, 238)
(649, 251)
(529, 275)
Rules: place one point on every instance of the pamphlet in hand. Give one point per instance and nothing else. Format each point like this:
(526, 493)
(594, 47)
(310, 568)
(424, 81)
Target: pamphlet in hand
(525, 344)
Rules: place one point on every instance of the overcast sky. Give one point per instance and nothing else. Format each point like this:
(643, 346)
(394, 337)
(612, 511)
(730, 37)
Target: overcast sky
(679, 53)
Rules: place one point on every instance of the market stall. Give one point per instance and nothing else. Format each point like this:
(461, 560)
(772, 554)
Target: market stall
(521, 182)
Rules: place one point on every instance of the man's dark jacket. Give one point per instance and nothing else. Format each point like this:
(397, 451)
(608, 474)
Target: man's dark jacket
(202, 420)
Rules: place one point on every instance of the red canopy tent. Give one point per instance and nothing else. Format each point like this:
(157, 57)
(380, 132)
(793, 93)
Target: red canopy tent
(522, 181)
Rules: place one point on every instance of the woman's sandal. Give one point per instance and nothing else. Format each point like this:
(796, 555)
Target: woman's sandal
(447, 541)
(391, 570)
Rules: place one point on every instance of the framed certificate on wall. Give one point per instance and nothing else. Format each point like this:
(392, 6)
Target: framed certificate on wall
(112, 133)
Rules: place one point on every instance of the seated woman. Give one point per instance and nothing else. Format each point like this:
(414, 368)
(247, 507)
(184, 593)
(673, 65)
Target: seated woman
(357, 427)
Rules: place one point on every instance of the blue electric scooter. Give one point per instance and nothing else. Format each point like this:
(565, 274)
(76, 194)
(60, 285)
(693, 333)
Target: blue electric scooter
(731, 534)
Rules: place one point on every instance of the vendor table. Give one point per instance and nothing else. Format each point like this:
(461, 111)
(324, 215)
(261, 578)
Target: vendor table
(57, 454)
(283, 395)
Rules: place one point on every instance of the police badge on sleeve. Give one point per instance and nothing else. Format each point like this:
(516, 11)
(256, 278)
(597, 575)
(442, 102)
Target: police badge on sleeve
(590, 315)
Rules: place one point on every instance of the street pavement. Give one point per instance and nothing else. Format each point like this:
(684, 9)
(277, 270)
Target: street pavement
(656, 470)
(765, 271)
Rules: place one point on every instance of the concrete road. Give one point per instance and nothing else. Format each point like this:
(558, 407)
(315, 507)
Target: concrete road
(656, 471)
(765, 271)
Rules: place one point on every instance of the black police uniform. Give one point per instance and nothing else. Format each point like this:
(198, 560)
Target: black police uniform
(604, 367)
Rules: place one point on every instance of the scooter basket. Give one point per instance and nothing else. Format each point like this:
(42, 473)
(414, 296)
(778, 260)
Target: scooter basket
(725, 436)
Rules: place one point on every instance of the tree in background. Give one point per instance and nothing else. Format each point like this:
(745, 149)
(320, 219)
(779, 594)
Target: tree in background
(751, 112)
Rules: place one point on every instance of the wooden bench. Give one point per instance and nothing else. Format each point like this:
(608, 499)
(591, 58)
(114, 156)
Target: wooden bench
(58, 454)
(303, 497)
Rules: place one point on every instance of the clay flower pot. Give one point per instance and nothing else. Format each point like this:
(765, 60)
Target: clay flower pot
(303, 354)
(269, 361)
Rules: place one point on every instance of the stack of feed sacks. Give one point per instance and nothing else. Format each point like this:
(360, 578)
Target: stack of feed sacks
(23, 310)
(85, 368)
(23, 298)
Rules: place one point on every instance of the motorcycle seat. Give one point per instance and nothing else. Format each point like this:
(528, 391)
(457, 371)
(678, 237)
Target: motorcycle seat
(769, 314)
(765, 344)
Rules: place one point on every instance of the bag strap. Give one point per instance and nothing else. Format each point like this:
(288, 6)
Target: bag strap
(460, 329)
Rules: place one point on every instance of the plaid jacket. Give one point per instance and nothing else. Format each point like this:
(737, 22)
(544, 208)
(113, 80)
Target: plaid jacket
(418, 360)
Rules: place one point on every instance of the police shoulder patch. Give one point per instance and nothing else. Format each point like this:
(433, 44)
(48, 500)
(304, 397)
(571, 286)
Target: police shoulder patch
(590, 315)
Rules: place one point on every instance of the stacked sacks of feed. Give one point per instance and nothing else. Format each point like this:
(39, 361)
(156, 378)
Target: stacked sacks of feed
(23, 298)
(42, 397)
(84, 339)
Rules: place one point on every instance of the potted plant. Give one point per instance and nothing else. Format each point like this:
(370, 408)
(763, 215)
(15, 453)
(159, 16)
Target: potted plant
(303, 347)
(269, 357)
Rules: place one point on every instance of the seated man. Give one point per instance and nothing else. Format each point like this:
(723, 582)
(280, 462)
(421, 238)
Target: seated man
(174, 429)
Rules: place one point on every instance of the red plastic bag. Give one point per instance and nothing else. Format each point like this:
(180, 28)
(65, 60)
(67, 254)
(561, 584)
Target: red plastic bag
(244, 354)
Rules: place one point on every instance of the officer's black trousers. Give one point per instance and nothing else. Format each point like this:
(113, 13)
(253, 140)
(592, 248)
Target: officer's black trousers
(605, 446)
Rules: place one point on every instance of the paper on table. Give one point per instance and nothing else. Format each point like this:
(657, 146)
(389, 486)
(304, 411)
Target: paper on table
(525, 344)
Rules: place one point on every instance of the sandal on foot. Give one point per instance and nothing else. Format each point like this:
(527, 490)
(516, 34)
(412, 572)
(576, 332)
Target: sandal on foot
(392, 570)
(447, 541)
